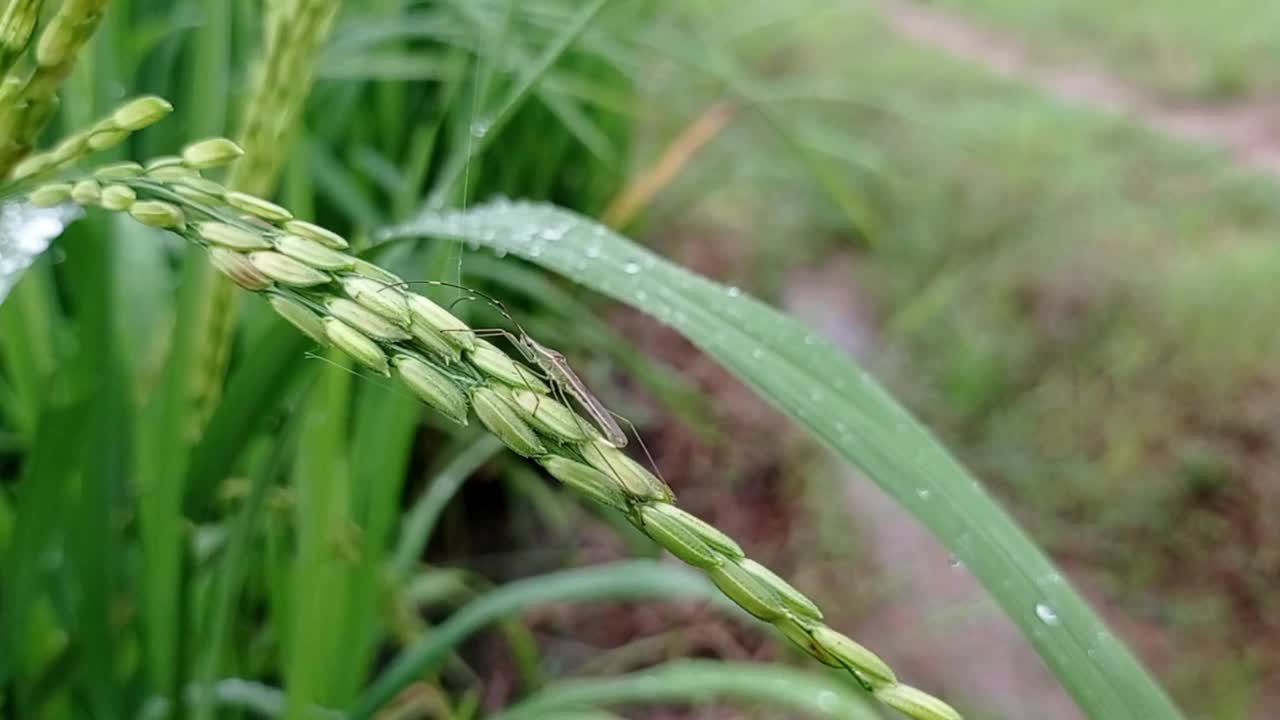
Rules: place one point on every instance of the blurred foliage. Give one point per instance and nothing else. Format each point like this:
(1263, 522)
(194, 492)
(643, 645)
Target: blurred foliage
(1185, 49)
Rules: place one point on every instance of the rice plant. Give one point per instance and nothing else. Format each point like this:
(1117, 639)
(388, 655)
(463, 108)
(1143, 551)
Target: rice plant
(206, 522)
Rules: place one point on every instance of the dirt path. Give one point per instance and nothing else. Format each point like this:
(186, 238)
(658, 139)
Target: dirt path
(934, 622)
(1249, 130)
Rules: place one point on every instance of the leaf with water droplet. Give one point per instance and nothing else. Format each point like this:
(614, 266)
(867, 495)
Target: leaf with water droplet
(1046, 614)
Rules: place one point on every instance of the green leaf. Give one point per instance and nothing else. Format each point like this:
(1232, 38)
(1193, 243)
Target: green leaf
(44, 496)
(822, 389)
(617, 581)
(254, 391)
(694, 681)
(327, 549)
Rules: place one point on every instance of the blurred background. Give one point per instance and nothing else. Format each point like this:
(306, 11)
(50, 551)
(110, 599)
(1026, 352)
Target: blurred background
(1048, 228)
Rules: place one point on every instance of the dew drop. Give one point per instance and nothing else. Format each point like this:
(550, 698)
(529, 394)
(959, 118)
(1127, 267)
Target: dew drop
(924, 493)
(955, 562)
(631, 268)
(593, 251)
(733, 292)
(554, 233)
(479, 128)
(827, 700)
(1046, 614)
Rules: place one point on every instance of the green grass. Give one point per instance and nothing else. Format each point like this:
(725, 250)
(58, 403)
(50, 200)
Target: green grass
(1182, 48)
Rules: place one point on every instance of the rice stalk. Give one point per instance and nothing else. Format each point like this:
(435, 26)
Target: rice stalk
(28, 97)
(293, 31)
(282, 76)
(343, 302)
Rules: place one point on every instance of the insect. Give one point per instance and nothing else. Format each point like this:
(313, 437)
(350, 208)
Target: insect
(551, 362)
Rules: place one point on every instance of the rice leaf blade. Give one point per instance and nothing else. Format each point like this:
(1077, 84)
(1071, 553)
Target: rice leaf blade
(617, 581)
(693, 681)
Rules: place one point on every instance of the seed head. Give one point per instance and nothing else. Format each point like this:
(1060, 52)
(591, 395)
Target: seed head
(86, 192)
(498, 365)
(214, 152)
(118, 197)
(356, 344)
(585, 480)
(286, 270)
(171, 173)
(916, 703)
(16, 24)
(442, 321)
(118, 170)
(673, 535)
(140, 112)
(389, 302)
(854, 656)
(432, 387)
(313, 253)
(300, 317)
(314, 232)
(365, 320)
(226, 235)
(502, 420)
(549, 416)
(33, 165)
(50, 194)
(157, 213)
(373, 272)
(103, 139)
(749, 593)
(54, 46)
(238, 267)
(257, 207)
(798, 630)
(794, 599)
(70, 149)
(611, 461)
(163, 161)
(433, 342)
(704, 530)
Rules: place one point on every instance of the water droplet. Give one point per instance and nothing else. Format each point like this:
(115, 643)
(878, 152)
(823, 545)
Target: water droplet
(1046, 614)
(757, 353)
(954, 562)
(479, 128)
(924, 493)
(810, 340)
(593, 251)
(631, 268)
(827, 700)
(733, 292)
